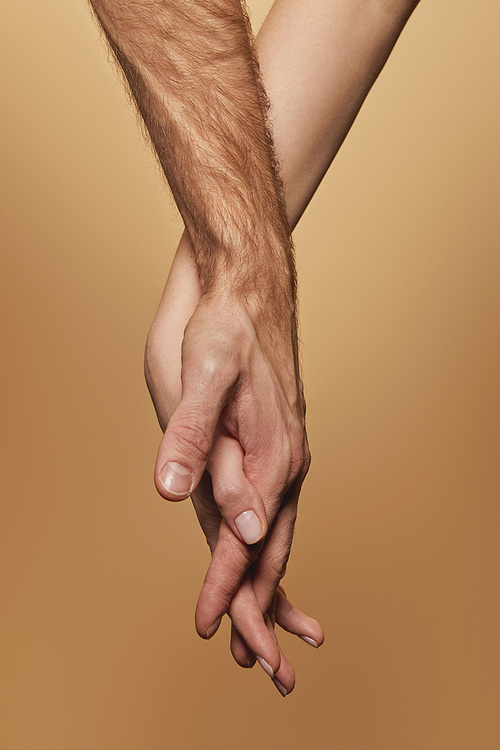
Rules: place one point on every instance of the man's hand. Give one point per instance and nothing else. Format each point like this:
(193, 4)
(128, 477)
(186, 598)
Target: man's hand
(251, 599)
(240, 414)
(193, 77)
(238, 386)
(193, 74)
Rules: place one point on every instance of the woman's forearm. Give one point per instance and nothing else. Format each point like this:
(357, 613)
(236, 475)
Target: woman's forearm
(318, 62)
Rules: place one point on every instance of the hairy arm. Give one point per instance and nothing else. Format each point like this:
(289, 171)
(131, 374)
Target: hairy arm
(318, 62)
(192, 72)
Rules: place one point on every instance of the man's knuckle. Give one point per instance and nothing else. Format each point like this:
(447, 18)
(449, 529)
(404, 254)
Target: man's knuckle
(208, 367)
(300, 457)
(297, 435)
(307, 462)
(297, 462)
(192, 440)
(215, 367)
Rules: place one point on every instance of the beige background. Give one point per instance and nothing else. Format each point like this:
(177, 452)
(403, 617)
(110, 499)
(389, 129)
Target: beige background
(396, 549)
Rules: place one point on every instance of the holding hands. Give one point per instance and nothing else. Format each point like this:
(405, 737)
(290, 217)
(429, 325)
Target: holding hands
(222, 354)
(236, 436)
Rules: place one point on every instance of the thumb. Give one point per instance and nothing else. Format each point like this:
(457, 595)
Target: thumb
(187, 441)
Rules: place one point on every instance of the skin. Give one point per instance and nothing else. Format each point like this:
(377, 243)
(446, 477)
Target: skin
(315, 99)
(240, 411)
(192, 73)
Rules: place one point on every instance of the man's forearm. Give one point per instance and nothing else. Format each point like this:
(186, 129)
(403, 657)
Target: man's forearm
(192, 71)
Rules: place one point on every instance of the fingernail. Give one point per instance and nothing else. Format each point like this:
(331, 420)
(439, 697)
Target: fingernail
(250, 661)
(310, 641)
(280, 687)
(176, 479)
(249, 526)
(265, 666)
(213, 628)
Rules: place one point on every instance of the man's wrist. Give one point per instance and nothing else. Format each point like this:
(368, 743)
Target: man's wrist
(240, 259)
(251, 321)
(266, 294)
